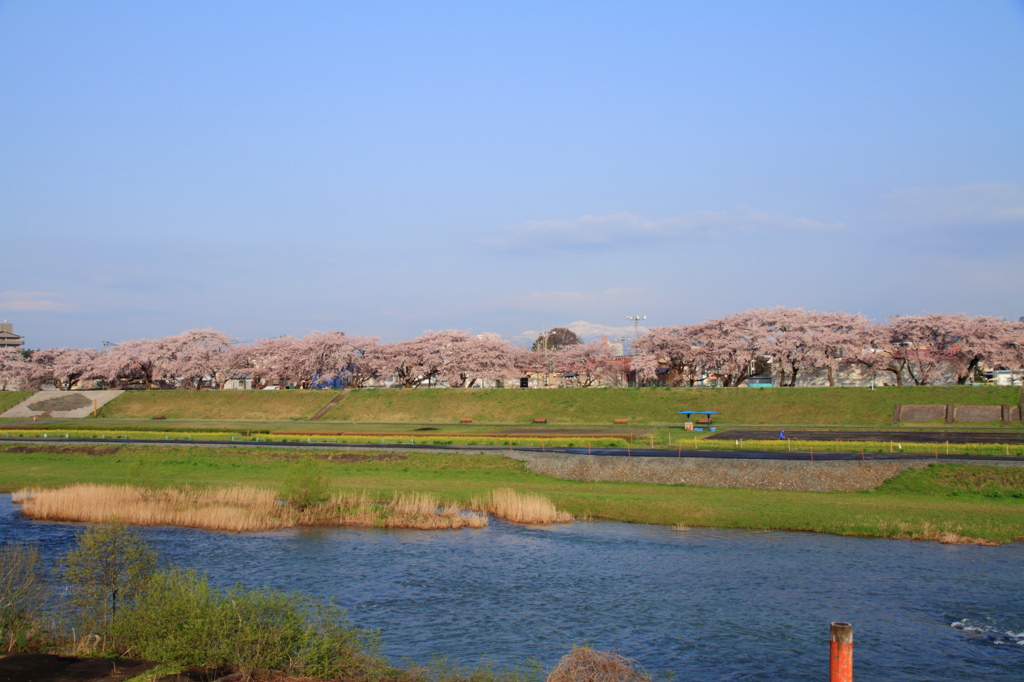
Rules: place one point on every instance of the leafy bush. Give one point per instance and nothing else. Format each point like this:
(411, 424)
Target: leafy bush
(180, 618)
(108, 568)
(23, 593)
(306, 484)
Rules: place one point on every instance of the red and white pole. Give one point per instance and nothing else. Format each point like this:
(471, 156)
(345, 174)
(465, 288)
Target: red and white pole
(841, 653)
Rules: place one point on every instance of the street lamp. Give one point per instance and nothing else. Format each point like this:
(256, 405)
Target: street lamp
(636, 325)
(547, 351)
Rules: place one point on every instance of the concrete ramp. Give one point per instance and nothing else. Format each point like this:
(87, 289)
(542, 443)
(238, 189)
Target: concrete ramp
(61, 404)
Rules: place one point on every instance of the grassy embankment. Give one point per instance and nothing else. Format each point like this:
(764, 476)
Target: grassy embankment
(646, 406)
(504, 417)
(9, 399)
(968, 501)
(576, 417)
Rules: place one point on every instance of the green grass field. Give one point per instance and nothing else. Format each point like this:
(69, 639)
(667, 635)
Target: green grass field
(972, 501)
(789, 407)
(9, 399)
(217, 405)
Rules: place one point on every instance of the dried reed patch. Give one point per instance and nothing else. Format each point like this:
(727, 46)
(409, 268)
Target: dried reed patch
(236, 509)
(518, 507)
(232, 509)
(419, 511)
(947, 535)
(584, 664)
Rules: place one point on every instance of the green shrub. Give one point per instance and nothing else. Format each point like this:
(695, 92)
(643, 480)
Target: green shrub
(108, 569)
(23, 594)
(181, 619)
(306, 484)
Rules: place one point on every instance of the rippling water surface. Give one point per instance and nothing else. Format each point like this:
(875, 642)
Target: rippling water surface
(706, 604)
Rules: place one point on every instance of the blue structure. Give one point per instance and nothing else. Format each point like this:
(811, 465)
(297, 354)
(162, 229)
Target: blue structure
(689, 413)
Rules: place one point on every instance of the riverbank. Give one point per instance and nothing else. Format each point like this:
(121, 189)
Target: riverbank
(955, 502)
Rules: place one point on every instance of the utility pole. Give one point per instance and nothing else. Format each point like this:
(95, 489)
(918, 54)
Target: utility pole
(636, 327)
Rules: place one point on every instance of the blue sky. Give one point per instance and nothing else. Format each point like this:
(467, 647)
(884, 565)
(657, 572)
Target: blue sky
(386, 168)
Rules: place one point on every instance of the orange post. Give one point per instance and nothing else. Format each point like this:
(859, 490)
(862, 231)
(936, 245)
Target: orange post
(841, 653)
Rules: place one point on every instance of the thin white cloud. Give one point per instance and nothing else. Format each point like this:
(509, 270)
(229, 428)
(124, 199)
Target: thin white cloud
(31, 301)
(983, 203)
(624, 229)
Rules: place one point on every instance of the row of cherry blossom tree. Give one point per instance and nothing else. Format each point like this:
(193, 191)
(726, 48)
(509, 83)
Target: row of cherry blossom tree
(784, 342)
(917, 349)
(451, 358)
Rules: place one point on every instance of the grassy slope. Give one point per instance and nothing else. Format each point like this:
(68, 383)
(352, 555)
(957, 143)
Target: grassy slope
(9, 399)
(775, 407)
(963, 499)
(244, 405)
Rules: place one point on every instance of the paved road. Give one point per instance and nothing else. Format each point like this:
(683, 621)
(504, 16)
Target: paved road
(880, 435)
(596, 452)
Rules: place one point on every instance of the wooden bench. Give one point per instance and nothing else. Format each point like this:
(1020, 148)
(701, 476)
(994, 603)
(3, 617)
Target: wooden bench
(465, 420)
(621, 421)
(703, 421)
(540, 420)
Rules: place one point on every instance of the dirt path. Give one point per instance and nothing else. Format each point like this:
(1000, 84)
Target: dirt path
(327, 408)
(51, 668)
(882, 435)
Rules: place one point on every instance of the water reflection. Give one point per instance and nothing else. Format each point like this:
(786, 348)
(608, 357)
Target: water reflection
(705, 603)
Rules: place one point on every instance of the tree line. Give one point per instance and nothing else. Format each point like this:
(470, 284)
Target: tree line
(783, 342)
(916, 349)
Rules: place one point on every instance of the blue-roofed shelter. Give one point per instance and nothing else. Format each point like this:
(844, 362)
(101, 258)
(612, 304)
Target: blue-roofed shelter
(690, 413)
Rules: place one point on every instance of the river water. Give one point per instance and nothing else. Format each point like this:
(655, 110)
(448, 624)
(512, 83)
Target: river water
(705, 604)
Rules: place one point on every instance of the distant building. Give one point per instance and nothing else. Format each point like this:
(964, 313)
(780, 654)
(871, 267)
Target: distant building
(8, 339)
(1005, 377)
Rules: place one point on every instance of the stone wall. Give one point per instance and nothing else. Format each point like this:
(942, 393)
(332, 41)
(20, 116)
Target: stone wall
(923, 413)
(978, 413)
(1008, 414)
(762, 474)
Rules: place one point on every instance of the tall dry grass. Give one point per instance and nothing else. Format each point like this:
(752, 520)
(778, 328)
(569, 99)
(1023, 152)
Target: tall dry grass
(947, 535)
(419, 511)
(584, 664)
(517, 507)
(234, 509)
(237, 509)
